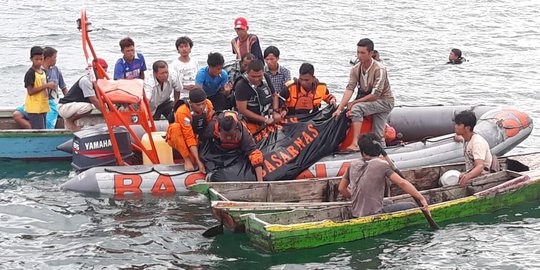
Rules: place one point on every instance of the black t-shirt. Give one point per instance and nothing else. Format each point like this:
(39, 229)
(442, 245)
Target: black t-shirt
(244, 92)
(30, 77)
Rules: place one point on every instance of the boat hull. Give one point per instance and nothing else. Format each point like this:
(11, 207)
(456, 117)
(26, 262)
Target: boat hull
(278, 238)
(33, 144)
(494, 125)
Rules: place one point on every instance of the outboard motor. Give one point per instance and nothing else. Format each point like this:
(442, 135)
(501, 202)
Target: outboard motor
(93, 147)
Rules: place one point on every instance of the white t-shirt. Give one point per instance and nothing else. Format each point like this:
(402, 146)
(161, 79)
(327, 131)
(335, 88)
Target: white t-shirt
(185, 73)
(477, 148)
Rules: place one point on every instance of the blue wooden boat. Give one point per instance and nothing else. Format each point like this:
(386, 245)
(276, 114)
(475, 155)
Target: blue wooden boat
(36, 144)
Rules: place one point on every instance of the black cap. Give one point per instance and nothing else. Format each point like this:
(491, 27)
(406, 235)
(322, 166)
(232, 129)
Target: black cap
(197, 95)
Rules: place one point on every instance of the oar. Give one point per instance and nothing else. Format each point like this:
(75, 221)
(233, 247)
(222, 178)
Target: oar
(426, 212)
(214, 231)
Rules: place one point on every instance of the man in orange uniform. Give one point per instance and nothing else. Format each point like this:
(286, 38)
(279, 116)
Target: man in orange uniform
(305, 94)
(229, 133)
(191, 119)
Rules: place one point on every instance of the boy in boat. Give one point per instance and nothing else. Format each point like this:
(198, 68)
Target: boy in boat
(476, 149)
(215, 82)
(54, 75)
(374, 94)
(161, 87)
(229, 133)
(279, 75)
(132, 64)
(305, 94)
(191, 119)
(78, 101)
(244, 42)
(35, 82)
(256, 99)
(185, 67)
(365, 179)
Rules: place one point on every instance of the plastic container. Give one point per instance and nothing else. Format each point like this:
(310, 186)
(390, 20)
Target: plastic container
(450, 178)
(163, 149)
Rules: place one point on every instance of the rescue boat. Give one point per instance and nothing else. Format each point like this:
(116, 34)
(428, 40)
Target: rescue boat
(427, 135)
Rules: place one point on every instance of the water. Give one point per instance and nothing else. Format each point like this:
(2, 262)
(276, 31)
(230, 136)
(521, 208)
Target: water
(43, 227)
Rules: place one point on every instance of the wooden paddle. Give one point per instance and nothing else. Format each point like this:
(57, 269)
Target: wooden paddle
(426, 212)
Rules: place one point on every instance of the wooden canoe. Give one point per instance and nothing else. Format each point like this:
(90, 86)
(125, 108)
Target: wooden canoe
(230, 200)
(37, 144)
(306, 228)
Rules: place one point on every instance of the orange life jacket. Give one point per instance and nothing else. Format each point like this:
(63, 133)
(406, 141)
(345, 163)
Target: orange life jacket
(302, 101)
(225, 143)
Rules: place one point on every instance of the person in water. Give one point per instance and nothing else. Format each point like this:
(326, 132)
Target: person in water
(365, 179)
(455, 57)
(476, 150)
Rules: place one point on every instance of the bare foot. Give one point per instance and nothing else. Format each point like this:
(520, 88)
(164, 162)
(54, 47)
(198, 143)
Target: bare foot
(352, 148)
(72, 126)
(188, 165)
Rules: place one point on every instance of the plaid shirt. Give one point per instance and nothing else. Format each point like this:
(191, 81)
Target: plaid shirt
(282, 76)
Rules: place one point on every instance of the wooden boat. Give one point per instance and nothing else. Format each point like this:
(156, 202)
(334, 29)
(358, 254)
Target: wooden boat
(36, 144)
(230, 200)
(305, 228)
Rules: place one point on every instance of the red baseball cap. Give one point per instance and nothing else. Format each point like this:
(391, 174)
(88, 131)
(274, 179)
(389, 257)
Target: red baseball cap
(101, 61)
(241, 22)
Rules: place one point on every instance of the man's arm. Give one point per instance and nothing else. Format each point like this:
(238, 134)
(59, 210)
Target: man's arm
(242, 108)
(465, 178)
(344, 187)
(95, 102)
(408, 187)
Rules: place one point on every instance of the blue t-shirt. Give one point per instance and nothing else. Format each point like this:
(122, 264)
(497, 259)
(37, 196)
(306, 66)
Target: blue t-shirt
(211, 85)
(54, 75)
(125, 70)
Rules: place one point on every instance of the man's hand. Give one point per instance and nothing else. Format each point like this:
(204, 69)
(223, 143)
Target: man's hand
(458, 138)
(202, 169)
(276, 116)
(227, 88)
(337, 113)
(464, 179)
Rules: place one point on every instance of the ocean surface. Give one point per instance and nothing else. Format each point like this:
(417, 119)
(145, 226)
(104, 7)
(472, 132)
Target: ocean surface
(42, 227)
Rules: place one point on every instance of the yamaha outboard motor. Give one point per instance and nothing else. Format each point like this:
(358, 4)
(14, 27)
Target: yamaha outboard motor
(93, 147)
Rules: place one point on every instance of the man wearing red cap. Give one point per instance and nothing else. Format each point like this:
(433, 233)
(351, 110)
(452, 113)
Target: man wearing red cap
(79, 99)
(245, 43)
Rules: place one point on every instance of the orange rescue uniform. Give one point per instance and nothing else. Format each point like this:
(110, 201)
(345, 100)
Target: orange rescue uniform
(303, 101)
(183, 133)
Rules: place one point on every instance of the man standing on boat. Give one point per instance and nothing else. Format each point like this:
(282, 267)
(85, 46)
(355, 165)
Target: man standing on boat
(476, 149)
(374, 95)
(244, 42)
(229, 133)
(305, 94)
(365, 180)
(191, 119)
(79, 100)
(256, 99)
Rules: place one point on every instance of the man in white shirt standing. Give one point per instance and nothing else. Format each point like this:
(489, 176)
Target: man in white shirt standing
(185, 67)
(476, 149)
(161, 87)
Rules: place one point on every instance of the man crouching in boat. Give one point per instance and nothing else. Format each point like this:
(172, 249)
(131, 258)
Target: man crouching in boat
(78, 101)
(191, 118)
(229, 133)
(478, 156)
(365, 179)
